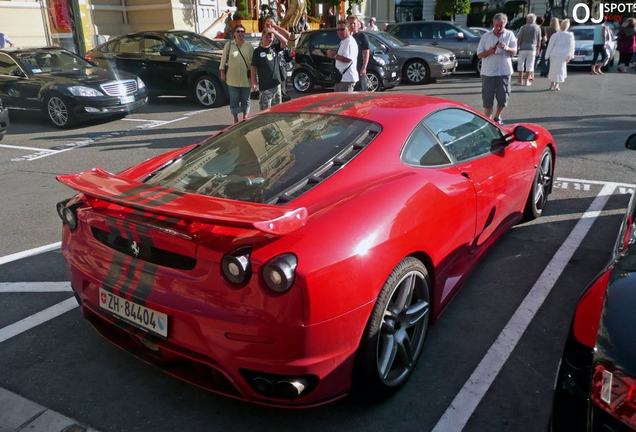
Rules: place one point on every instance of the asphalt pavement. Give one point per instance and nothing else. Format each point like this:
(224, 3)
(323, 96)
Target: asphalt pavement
(64, 367)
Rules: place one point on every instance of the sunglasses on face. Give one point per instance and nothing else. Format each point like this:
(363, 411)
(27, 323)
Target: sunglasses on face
(239, 31)
(341, 29)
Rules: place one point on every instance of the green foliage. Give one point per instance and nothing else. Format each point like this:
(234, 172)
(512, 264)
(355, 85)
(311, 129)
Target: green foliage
(450, 8)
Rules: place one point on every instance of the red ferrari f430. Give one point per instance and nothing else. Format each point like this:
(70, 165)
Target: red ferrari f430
(303, 251)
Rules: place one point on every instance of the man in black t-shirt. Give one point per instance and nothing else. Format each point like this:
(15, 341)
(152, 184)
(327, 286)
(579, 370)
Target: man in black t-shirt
(266, 65)
(363, 50)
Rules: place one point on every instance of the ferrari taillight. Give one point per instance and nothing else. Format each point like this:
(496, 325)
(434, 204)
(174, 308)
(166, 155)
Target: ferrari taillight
(588, 311)
(615, 392)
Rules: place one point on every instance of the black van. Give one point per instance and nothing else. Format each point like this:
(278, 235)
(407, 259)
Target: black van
(314, 67)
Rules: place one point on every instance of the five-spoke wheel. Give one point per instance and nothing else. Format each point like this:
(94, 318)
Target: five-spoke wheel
(396, 330)
(541, 187)
(207, 91)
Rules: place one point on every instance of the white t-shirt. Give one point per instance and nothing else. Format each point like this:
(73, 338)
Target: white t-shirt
(348, 48)
(500, 63)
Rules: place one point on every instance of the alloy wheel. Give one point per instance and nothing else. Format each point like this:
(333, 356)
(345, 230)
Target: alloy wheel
(58, 112)
(302, 82)
(206, 92)
(543, 182)
(373, 83)
(404, 325)
(416, 72)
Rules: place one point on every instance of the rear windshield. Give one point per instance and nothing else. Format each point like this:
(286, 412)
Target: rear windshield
(583, 33)
(260, 158)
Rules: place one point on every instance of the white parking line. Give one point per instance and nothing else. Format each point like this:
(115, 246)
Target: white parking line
(25, 148)
(27, 253)
(140, 120)
(462, 407)
(34, 287)
(36, 319)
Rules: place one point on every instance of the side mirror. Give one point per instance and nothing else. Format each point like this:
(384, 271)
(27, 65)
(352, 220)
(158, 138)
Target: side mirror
(631, 142)
(522, 133)
(460, 35)
(167, 51)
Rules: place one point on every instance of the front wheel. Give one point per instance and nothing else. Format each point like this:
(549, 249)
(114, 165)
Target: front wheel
(207, 91)
(303, 81)
(374, 82)
(477, 66)
(541, 187)
(395, 333)
(58, 112)
(417, 72)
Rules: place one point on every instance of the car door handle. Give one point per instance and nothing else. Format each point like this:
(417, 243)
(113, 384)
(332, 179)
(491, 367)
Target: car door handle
(465, 174)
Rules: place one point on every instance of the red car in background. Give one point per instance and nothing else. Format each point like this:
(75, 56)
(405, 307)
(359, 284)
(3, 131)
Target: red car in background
(303, 250)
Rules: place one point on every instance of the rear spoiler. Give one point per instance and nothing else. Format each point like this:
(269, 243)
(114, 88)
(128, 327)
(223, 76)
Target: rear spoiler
(267, 218)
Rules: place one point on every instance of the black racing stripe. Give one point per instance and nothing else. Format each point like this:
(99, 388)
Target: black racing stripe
(137, 190)
(114, 271)
(167, 197)
(323, 102)
(146, 282)
(339, 109)
(132, 267)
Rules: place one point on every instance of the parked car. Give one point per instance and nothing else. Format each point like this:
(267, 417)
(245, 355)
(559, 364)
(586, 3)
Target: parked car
(596, 382)
(65, 87)
(479, 31)
(169, 62)
(443, 34)
(583, 42)
(304, 249)
(4, 120)
(313, 66)
(418, 63)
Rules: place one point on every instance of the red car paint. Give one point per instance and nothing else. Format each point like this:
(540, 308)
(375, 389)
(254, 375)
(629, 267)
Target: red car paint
(347, 233)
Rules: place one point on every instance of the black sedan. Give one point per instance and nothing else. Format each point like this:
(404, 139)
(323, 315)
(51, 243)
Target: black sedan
(65, 87)
(4, 120)
(169, 62)
(596, 383)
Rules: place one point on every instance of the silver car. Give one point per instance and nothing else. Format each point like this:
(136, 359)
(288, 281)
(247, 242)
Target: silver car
(419, 63)
(583, 46)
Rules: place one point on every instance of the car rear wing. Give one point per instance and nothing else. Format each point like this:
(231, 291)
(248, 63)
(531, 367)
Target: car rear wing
(271, 219)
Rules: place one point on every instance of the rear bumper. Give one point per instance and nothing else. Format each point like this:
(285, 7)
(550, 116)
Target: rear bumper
(212, 346)
(4, 121)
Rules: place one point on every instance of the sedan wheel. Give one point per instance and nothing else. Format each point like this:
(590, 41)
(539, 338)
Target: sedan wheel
(207, 91)
(303, 82)
(58, 112)
(396, 330)
(417, 72)
(541, 187)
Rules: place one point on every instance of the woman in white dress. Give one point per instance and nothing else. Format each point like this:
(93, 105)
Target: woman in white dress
(560, 51)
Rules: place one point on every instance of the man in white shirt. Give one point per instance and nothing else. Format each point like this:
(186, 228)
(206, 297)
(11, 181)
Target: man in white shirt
(4, 41)
(346, 59)
(495, 50)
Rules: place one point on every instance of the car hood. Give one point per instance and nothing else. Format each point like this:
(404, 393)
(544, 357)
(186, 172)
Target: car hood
(424, 49)
(87, 76)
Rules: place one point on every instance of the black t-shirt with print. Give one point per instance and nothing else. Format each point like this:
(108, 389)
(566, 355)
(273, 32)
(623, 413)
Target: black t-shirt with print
(267, 66)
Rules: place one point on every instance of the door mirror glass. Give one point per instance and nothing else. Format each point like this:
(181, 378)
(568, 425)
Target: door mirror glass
(460, 35)
(631, 142)
(522, 133)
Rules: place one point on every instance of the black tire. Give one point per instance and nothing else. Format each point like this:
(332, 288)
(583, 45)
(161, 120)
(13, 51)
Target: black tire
(477, 66)
(57, 111)
(302, 81)
(417, 72)
(541, 187)
(391, 343)
(208, 92)
(374, 82)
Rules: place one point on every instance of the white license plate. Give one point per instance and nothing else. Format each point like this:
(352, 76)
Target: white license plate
(289, 73)
(126, 99)
(393, 74)
(137, 315)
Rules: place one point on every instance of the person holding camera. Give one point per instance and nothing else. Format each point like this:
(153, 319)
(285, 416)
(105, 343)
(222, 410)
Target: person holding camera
(235, 72)
(495, 50)
(266, 65)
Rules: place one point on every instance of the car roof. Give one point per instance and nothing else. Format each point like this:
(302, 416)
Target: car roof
(32, 49)
(403, 109)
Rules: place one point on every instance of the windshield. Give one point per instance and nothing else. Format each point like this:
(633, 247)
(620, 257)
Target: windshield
(52, 61)
(583, 33)
(190, 42)
(389, 39)
(262, 157)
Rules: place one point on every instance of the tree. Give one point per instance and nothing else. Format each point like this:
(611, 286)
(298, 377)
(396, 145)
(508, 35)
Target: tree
(451, 8)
